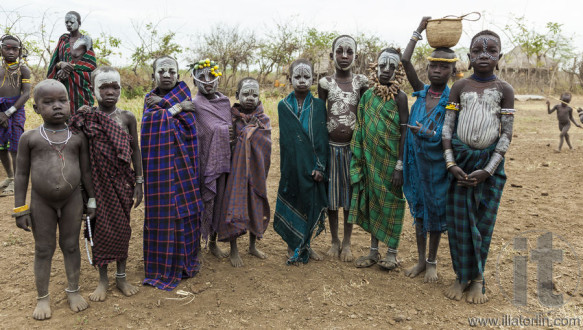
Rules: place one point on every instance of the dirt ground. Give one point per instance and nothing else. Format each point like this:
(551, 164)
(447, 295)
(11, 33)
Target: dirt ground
(543, 193)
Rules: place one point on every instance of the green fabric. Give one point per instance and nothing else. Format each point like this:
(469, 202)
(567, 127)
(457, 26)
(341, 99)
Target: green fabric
(301, 202)
(376, 205)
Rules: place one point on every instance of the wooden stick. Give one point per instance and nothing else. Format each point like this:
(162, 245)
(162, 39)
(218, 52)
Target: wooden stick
(554, 98)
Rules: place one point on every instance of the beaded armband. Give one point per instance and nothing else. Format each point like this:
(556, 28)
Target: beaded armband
(91, 203)
(507, 111)
(175, 109)
(399, 165)
(452, 106)
(20, 211)
(25, 81)
(139, 179)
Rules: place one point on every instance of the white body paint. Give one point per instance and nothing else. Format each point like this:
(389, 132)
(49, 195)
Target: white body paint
(483, 40)
(479, 118)
(163, 69)
(301, 75)
(345, 43)
(249, 92)
(341, 101)
(71, 20)
(204, 77)
(83, 41)
(387, 59)
(105, 78)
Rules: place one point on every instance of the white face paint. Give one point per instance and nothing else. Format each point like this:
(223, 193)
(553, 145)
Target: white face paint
(301, 76)
(105, 78)
(71, 22)
(342, 48)
(204, 77)
(249, 93)
(166, 72)
(385, 61)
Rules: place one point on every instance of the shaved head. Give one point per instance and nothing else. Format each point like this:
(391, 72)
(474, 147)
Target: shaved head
(45, 85)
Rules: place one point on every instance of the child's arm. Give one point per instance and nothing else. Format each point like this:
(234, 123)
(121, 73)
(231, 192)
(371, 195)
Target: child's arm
(403, 107)
(323, 92)
(24, 95)
(21, 179)
(549, 110)
(414, 80)
(86, 175)
(136, 159)
(451, 113)
(573, 119)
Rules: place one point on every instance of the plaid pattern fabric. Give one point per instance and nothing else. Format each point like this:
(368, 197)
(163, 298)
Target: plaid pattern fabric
(424, 171)
(471, 212)
(213, 119)
(113, 178)
(172, 196)
(301, 201)
(245, 200)
(10, 135)
(339, 192)
(376, 205)
(78, 83)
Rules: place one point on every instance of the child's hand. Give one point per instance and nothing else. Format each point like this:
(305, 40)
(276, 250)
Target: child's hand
(3, 120)
(138, 195)
(548, 102)
(397, 178)
(187, 106)
(91, 213)
(423, 24)
(67, 67)
(458, 173)
(152, 100)
(24, 222)
(317, 176)
(62, 75)
(478, 176)
(84, 108)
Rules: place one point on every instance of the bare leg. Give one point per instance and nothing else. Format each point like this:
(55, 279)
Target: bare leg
(215, 249)
(475, 295)
(568, 141)
(236, 260)
(8, 165)
(45, 232)
(372, 257)
(69, 229)
(253, 248)
(431, 270)
(333, 220)
(561, 142)
(101, 290)
(421, 248)
(456, 290)
(121, 280)
(346, 254)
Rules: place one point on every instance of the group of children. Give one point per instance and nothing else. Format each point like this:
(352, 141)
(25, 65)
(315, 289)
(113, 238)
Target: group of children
(203, 164)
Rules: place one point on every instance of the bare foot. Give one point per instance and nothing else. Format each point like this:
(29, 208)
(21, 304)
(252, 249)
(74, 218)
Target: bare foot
(475, 295)
(43, 309)
(236, 260)
(100, 292)
(126, 288)
(217, 251)
(346, 254)
(334, 251)
(315, 256)
(456, 290)
(258, 253)
(76, 301)
(389, 262)
(290, 253)
(415, 270)
(431, 274)
(368, 260)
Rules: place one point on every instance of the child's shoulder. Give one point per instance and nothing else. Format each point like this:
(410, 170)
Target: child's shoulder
(325, 82)
(361, 80)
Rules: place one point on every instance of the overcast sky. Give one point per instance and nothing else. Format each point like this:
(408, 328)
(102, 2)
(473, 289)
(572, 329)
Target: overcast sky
(392, 21)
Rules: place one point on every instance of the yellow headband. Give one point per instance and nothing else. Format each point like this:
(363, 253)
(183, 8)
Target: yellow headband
(436, 59)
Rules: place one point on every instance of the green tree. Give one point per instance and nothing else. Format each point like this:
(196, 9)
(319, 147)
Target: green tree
(153, 44)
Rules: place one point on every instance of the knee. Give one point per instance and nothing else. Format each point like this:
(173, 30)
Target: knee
(69, 246)
(44, 251)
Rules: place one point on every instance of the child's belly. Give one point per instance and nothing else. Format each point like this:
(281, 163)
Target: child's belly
(52, 181)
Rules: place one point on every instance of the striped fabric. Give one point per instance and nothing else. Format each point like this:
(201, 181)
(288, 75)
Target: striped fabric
(376, 205)
(339, 192)
(471, 212)
(172, 196)
(78, 83)
(479, 113)
(9, 136)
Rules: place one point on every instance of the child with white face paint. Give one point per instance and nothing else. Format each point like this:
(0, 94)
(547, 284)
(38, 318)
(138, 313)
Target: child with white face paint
(215, 133)
(342, 92)
(304, 157)
(246, 207)
(376, 168)
(111, 232)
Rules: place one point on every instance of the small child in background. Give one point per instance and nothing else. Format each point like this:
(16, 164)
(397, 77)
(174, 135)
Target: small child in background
(565, 117)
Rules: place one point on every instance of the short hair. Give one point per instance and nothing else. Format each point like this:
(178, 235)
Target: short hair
(72, 12)
(343, 36)
(299, 61)
(10, 37)
(240, 83)
(392, 50)
(101, 69)
(161, 58)
(44, 83)
(487, 32)
(567, 93)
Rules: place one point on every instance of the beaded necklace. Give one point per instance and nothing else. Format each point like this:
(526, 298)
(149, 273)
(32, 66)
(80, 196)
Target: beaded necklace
(55, 146)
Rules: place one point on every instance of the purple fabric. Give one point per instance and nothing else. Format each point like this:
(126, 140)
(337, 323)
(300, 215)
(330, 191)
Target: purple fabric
(213, 119)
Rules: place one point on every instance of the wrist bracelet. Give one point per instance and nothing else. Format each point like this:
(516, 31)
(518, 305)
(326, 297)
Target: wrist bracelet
(21, 213)
(139, 179)
(448, 165)
(399, 166)
(20, 208)
(417, 36)
(492, 165)
(10, 111)
(175, 109)
(448, 156)
(91, 203)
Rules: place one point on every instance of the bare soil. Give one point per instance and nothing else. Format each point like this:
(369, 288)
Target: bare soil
(543, 193)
